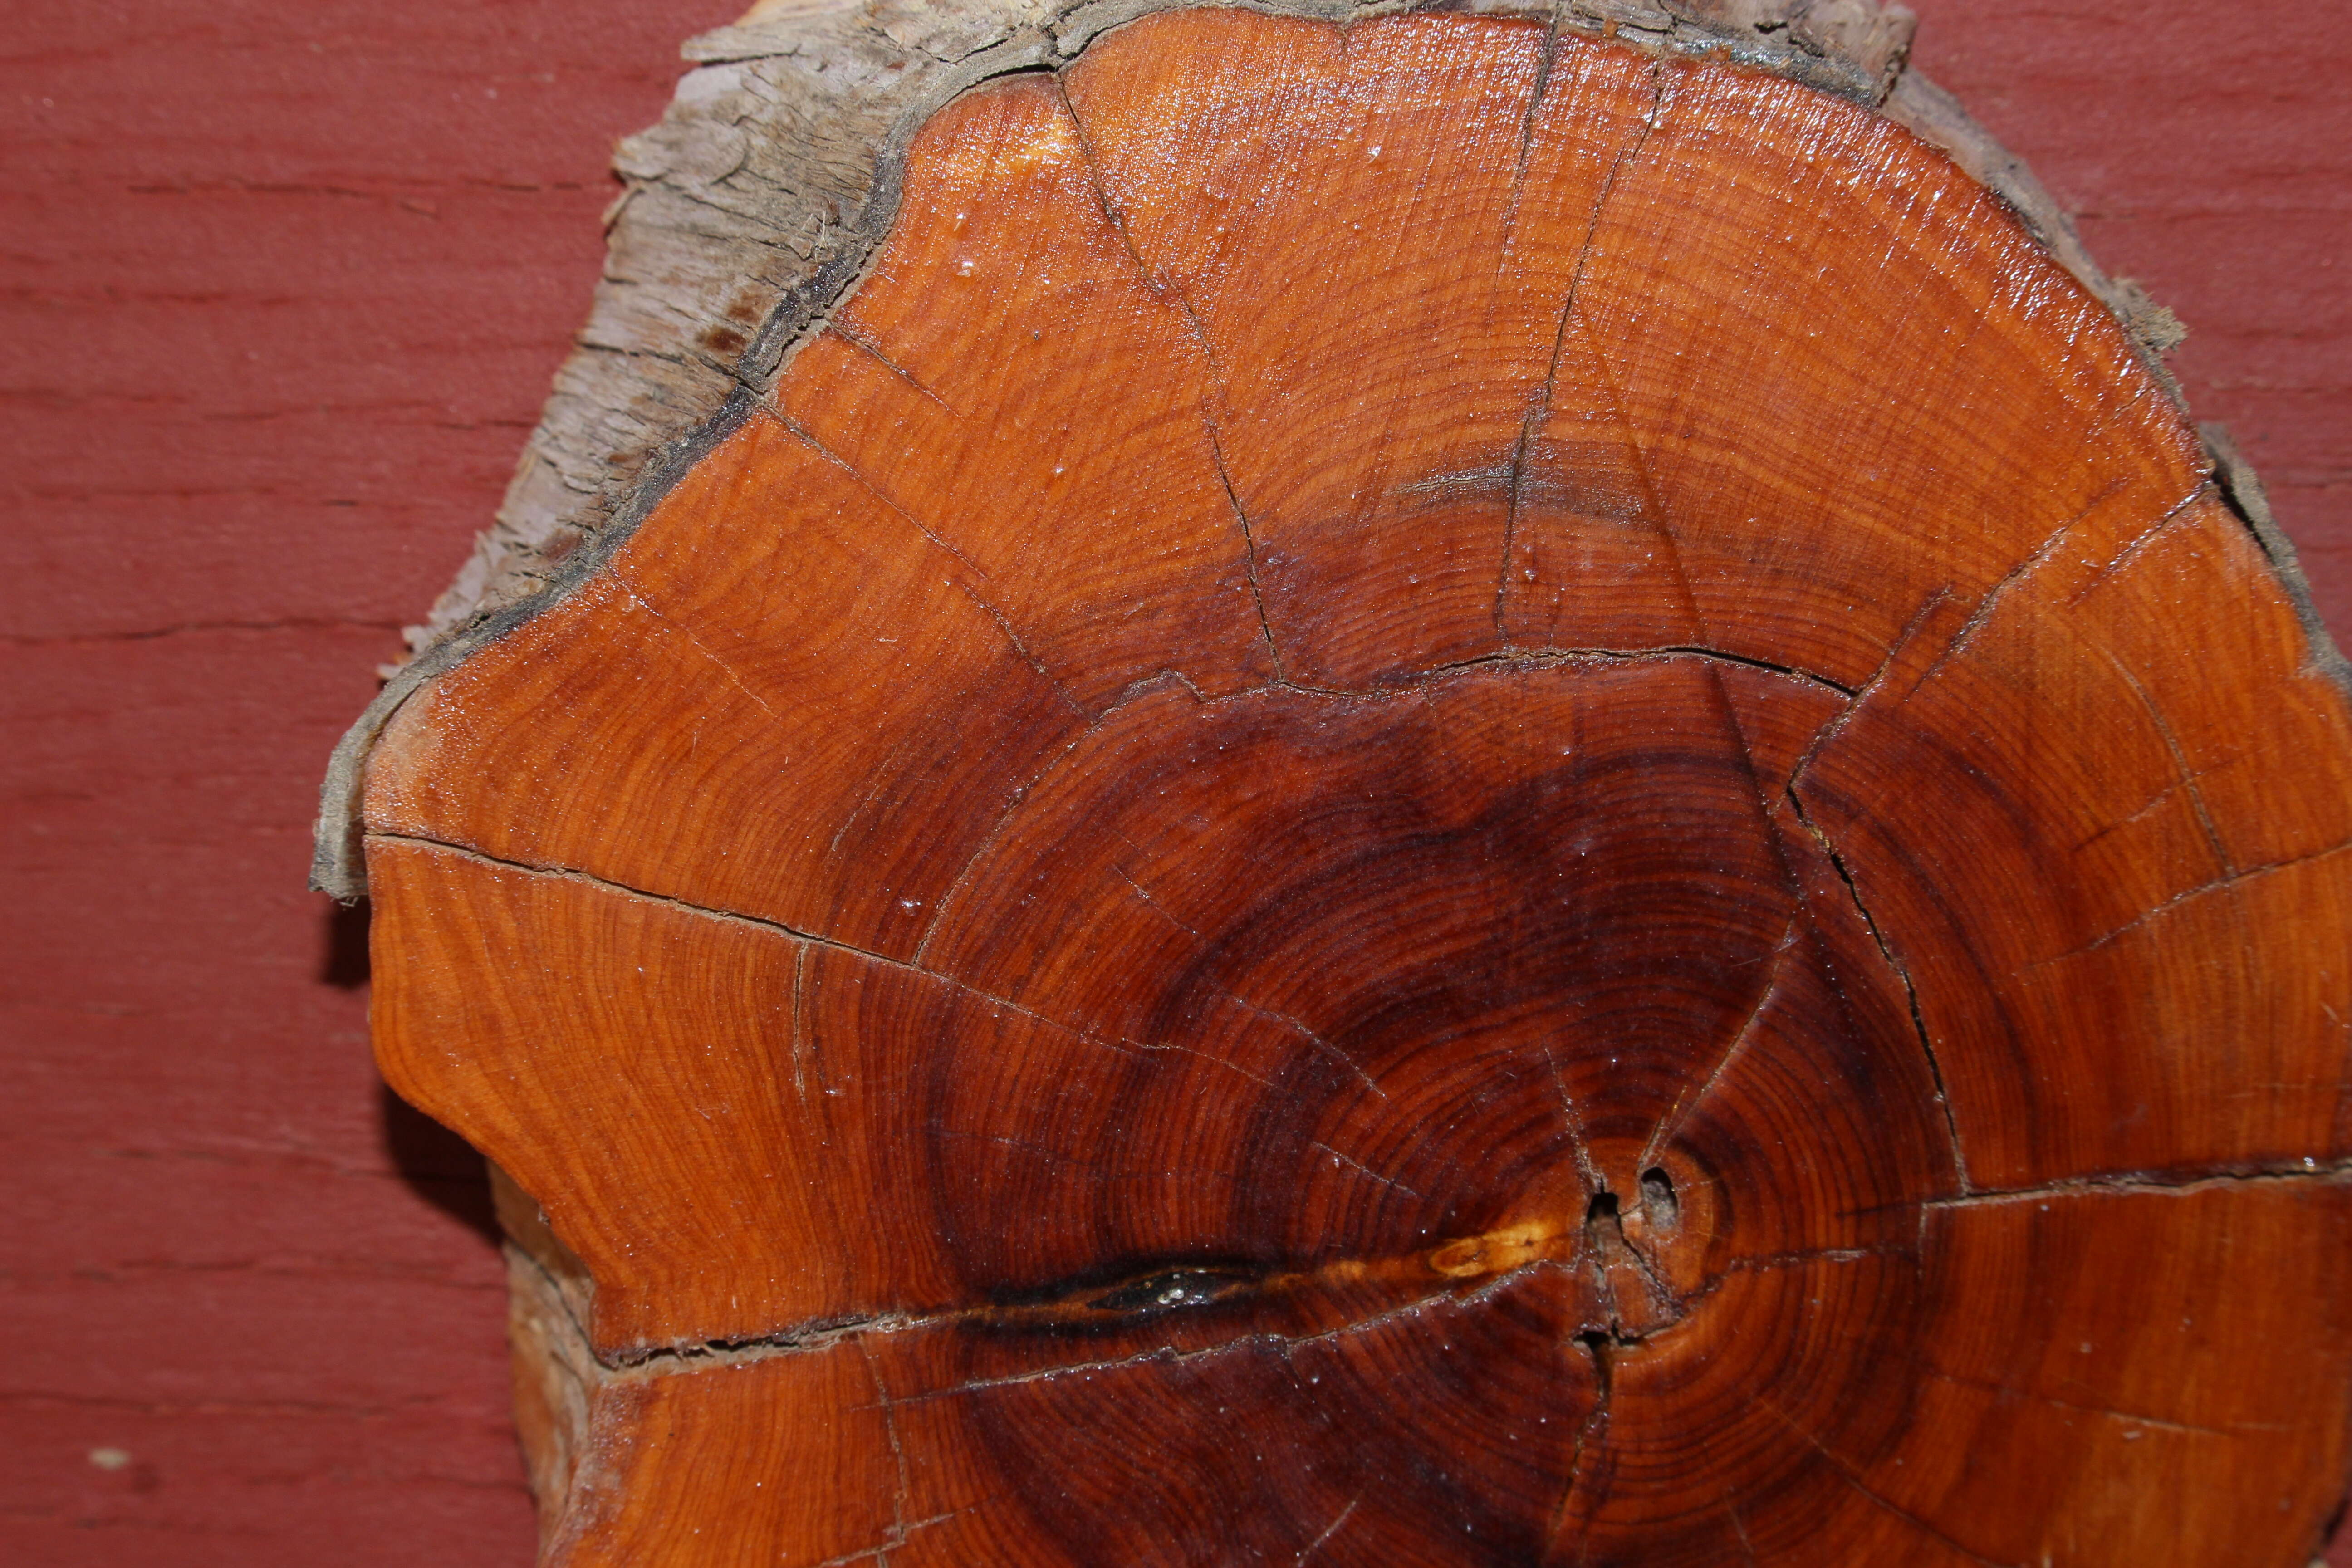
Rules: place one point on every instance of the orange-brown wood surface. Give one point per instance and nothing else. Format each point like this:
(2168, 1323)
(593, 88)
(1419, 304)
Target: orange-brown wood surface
(1437, 793)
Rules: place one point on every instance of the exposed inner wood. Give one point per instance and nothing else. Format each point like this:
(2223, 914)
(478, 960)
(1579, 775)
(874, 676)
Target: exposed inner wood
(1438, 793)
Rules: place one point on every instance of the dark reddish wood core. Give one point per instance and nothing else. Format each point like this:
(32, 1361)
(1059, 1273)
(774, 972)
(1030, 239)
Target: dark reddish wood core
(1436, 795)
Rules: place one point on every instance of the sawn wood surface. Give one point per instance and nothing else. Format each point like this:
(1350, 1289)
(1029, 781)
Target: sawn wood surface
(1437, 793)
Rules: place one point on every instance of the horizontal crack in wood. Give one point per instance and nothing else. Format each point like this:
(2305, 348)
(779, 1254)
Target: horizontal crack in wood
(2169, 1182)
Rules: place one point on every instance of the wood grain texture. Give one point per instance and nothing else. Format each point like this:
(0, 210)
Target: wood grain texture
(762, 194)
(1439, 791)
(283, 293)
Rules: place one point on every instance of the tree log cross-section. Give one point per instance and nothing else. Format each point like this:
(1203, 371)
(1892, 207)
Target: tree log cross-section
(1407, 789)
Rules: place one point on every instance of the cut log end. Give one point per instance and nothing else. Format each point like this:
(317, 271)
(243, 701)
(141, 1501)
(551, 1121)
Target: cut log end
(1438, 792)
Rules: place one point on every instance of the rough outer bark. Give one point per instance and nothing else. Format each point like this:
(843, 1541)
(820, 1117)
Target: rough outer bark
(756, 203)
(2183, 1192)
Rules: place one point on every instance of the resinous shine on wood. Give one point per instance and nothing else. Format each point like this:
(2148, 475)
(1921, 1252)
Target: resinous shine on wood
(1437, 793)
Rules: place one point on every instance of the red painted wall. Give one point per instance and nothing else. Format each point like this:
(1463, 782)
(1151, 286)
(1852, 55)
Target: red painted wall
(281, 287)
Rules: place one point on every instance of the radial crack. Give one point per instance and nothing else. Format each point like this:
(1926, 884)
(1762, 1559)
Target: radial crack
(1863, 694)
(1979, 617)
(1671, 1122)
(1337, 1056)
(2188, 895)
(1014, 802)
(1085, 1302)
(1270, 1015)
(2171, 1182)
(773, 928)
(1548, 53)
(1770, 1262)
(1330, 1530)
(622, 581)
(1573, 1123)
(1540, 409)
(684, 1358)
(1362, 1169)
(2139, 543)
(872, 350)
(1856, 1481)
(1257, 1339)
(980, 601)
(897, 1530)
(1214, 382)
(1902, 974)
(2187, 775)
(2130, 1418)
(800, 1027)
(1589, 1436)
(1739, 1528)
